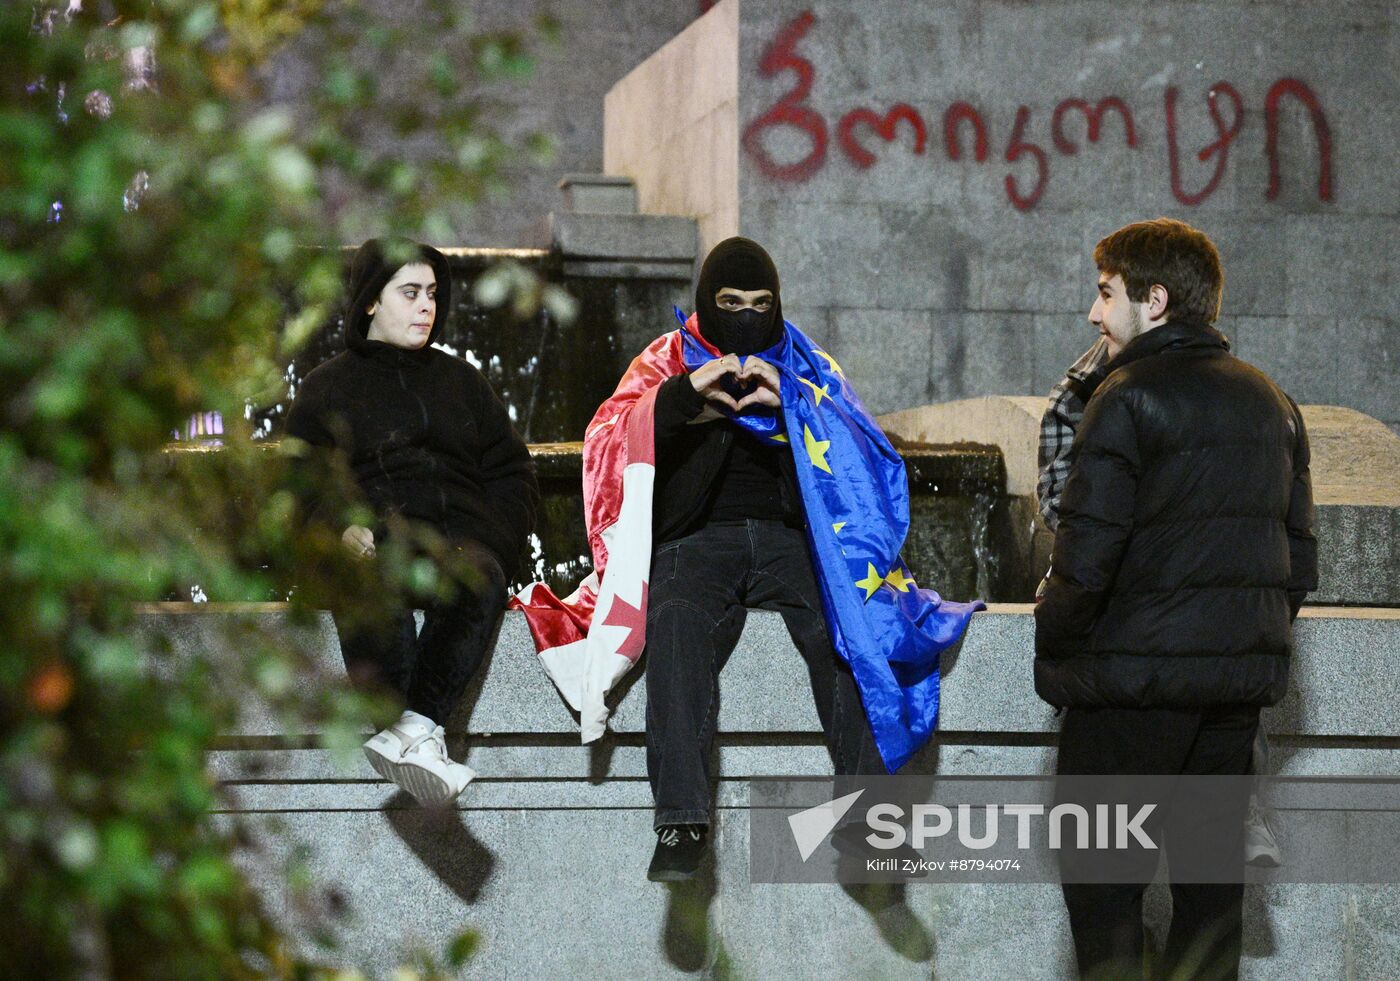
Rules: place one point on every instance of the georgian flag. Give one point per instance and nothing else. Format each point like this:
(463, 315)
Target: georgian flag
(588, 641)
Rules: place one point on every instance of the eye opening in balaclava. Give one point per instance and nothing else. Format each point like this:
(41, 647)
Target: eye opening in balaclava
(741, 264)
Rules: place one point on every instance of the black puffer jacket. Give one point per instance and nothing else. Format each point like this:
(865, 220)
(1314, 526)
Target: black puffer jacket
(1185, 544)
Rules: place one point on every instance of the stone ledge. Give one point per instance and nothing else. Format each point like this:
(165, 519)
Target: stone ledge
(599, 194)
(1010, 423)
(1355, 471)
(501, 761)
(648, 238)
(1345, 679)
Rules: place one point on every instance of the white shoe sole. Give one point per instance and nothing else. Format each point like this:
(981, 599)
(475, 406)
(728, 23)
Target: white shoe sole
(1263, 858)
(426, 788)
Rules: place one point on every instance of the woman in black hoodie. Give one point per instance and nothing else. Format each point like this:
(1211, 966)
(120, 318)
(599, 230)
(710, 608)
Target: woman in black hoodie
(428, 441)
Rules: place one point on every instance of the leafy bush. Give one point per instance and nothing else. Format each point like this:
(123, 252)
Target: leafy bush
(159, 216)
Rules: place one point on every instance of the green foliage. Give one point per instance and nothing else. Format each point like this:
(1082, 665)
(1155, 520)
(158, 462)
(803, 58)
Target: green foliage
(191, 213)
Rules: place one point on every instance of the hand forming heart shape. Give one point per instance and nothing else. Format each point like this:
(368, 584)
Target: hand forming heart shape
(735, 385)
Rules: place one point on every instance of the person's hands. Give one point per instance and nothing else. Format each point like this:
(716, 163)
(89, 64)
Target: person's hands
(710, 380)
(767, 385)
(358, 541)
(719, 380)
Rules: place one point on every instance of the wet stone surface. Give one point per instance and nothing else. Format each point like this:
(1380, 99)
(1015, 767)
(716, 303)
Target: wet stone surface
(957, 512)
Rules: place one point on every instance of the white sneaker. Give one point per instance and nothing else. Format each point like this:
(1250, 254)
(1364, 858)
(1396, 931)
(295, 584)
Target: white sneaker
(1260, 846)
(412, 753)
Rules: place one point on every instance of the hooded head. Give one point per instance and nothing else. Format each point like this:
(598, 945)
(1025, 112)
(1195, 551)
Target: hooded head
(373, 266)
(738, 264)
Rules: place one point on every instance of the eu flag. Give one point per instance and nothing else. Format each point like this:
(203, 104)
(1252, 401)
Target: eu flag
(888, 628)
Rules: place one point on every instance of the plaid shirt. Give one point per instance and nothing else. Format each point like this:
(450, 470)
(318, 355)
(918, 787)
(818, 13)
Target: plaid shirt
(1058, 426)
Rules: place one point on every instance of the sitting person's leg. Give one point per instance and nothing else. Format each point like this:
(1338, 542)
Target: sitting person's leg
(456, 633)
(379, 654)
(783, 581)
(693, 622)
(440, 660)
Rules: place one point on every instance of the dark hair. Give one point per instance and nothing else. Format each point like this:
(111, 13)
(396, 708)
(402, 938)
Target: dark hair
(1170, 253)
(373, 265)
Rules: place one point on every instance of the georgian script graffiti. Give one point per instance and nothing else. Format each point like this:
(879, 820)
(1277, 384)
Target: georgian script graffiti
(1029, 162)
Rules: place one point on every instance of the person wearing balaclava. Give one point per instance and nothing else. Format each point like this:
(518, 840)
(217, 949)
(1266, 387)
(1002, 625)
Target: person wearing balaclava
(728, 535)
(428, 444)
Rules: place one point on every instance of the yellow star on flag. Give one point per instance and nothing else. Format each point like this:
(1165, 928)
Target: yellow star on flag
(821, 393)
(872, 581)
(899, 580)
(837, 526)
(831, 363)
(780, 438)
(816, 449)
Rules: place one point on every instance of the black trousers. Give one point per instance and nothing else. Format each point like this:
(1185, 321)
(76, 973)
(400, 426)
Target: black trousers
(431, 668)
(701, 589)
(1106, 920)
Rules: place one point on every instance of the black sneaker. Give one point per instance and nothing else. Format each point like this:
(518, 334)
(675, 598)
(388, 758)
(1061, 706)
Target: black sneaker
(679, 849)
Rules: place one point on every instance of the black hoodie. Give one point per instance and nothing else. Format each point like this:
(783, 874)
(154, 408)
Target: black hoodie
(422, 431)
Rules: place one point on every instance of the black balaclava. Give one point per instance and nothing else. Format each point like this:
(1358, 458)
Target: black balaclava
(371, 269)
(739, 263)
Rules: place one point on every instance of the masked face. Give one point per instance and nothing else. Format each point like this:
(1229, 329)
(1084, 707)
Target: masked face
(737, 298)
(745, 318)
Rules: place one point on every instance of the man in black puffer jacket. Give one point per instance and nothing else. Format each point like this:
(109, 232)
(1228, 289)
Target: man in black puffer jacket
(428, 442)
(1184, 552)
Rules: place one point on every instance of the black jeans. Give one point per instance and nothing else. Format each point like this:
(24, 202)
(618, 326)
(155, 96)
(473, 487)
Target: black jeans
(430, 669)
(1106, 920)
(701, 588)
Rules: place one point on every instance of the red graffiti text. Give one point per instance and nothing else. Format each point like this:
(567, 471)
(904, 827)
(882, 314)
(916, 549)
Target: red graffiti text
(1072, 124)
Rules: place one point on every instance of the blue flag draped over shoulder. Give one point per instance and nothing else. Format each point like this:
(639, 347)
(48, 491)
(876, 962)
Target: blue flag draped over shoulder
(856, 496)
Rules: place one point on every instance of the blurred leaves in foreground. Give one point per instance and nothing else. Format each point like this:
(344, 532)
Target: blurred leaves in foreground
(160, 215)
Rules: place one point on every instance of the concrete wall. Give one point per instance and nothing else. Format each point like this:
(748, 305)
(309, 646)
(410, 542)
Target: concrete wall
(546, 853)
(672, 125)
(598, 44)
(934, 279)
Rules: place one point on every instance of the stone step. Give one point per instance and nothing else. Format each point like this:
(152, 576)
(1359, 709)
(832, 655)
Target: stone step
(287, 776)
(553, 839)
(623, 246)
(562, 893)
(1344, 680)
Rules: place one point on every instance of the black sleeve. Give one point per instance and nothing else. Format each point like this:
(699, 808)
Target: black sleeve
(677, 402)
(1096, 518)
(1302, 544)
(306, 419)
(310, 462)
(508, 478)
